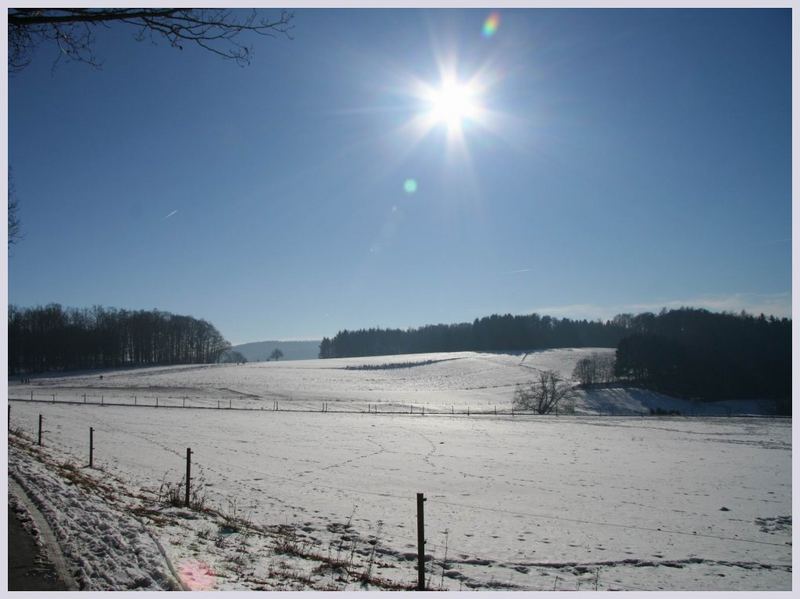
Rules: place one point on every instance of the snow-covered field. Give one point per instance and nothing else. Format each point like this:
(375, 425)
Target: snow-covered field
(441, 382)
(319, 500)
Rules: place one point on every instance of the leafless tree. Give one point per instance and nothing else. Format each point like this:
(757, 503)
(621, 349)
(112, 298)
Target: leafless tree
(597, 368)
(14, 227)
(543, 396)
(72, 30)
(586, 371)
(604, 365)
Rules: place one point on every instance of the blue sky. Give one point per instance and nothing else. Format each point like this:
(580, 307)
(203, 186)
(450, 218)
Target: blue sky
(623, 160)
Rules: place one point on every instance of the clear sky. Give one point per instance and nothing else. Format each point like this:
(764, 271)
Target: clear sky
(404, 167)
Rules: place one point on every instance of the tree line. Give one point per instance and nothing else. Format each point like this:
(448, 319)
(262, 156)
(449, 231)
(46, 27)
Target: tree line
(46, 338)
(491, 333)
(687, 352)
(698, 354)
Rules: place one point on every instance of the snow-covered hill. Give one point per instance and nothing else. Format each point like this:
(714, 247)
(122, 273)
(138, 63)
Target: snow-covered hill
(608, 498)
(440, 382)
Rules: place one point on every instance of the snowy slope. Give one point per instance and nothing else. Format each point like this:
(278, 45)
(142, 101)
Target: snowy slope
(513, 503)
(107, 548)
(437, 382)
(322, 500)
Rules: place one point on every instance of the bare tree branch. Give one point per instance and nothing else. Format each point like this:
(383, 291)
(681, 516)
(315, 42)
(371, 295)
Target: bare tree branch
(71, 30)
(14, 225)
(544, 395)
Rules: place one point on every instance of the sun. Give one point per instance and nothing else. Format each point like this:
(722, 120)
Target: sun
(453, 103)
(456, 103)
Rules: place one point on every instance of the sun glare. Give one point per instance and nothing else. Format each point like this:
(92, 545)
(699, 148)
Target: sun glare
(453, 103)
(460, 102)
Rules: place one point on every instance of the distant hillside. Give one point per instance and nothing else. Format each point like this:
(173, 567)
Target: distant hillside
(292, 350)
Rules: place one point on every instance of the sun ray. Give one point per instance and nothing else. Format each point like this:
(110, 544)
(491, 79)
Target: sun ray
(446, 101)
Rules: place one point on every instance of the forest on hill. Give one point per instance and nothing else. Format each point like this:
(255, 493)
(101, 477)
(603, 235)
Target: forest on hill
(491, 333)
(47, 338)
(688, 352)
(699, 354)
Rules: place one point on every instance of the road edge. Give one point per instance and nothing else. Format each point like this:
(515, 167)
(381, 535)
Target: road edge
(51, 546)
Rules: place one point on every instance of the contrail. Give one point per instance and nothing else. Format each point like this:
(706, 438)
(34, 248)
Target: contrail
(513, 272)
(173, 213)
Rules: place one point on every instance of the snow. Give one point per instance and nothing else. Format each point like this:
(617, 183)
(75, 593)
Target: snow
(107, 548)
(533, 503)
(449, 382)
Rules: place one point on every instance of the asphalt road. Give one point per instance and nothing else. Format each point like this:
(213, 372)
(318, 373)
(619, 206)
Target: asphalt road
(28, 568)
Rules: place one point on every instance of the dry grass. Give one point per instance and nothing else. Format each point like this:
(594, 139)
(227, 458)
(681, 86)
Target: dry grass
(345, 567)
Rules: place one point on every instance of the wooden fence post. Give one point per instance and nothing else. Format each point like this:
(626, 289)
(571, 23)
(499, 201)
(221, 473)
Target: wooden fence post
(188, 473)
(91, 447)
(420, 542)
(40, 430)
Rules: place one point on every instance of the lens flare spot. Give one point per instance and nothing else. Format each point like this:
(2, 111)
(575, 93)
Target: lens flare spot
(197, 576)
(491, 24)
(410, 185)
